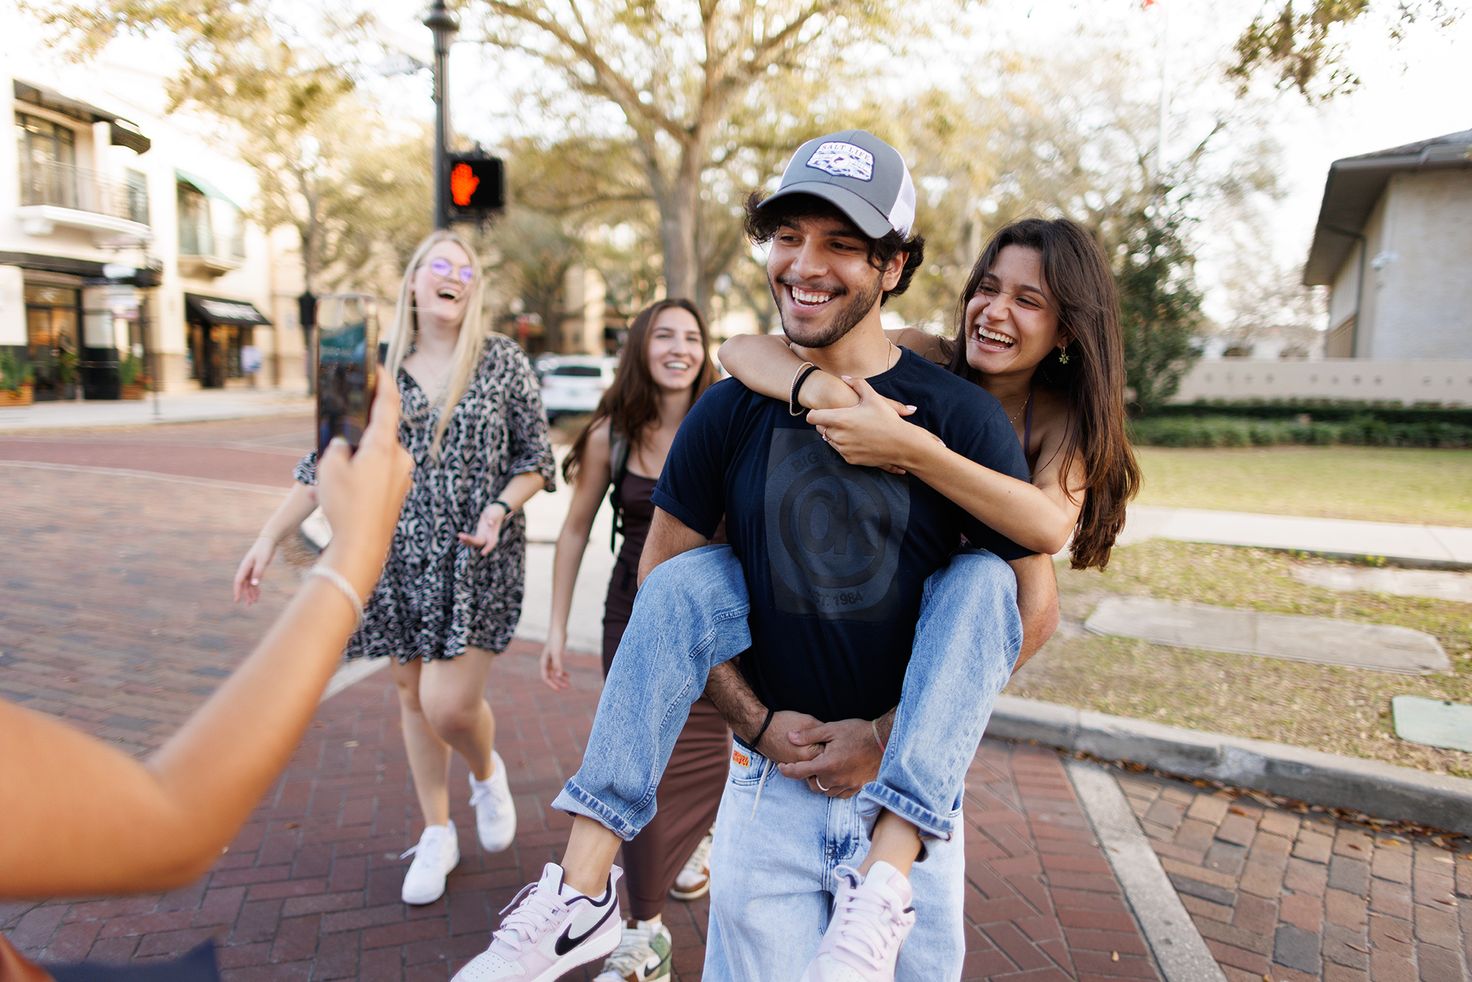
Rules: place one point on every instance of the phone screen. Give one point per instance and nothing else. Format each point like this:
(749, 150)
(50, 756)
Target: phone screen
(346, 357)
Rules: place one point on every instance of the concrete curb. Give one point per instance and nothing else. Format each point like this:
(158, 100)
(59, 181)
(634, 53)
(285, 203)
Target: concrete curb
(1374, 788)
(1180, 953)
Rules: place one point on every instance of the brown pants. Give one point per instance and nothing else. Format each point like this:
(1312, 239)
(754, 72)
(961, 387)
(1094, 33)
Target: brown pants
(685, 803)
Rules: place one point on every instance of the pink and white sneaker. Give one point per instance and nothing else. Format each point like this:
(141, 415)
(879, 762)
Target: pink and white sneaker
(551, 929)
(872, 917)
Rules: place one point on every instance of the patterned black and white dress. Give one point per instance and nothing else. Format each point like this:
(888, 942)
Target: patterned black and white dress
(436, 596)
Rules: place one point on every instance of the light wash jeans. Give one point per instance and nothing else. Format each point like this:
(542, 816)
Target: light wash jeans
(690, 615)
(777, 845)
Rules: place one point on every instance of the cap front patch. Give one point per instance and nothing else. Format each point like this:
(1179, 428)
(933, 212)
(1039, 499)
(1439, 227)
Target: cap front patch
(843, 160)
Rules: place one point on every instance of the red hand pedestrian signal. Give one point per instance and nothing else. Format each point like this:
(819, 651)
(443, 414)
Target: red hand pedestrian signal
(463, 183)
(475, 186)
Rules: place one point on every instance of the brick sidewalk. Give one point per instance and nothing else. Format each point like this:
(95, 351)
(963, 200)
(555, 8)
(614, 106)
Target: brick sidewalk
(1287, 895)
(126, 626)
(118, 619)
(310, 887)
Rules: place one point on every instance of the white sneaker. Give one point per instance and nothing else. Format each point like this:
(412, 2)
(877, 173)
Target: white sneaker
(642, 955)
(437, 852)
(872, 917)
(693, 881)
(495, 812)
(551, 929)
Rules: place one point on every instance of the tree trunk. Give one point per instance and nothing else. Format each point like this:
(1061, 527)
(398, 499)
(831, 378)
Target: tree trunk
(678, 203)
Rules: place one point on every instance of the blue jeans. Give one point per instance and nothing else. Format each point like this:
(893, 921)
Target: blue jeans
(777, 845)
(690, 615)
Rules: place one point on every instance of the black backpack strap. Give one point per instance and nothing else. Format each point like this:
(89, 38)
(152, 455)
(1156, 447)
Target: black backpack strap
(618, 458)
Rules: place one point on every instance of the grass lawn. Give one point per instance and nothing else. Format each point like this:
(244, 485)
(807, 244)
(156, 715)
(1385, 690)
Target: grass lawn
(1337, 710)
(1368, 483)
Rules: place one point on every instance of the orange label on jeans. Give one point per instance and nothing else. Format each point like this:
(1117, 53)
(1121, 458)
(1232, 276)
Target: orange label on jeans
(740, 758)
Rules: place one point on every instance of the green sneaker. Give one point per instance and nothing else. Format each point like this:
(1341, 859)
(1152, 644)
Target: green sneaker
(643, 953)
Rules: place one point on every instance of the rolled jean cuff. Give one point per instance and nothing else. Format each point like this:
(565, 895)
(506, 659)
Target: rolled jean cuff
(930, 825)
(575, 801)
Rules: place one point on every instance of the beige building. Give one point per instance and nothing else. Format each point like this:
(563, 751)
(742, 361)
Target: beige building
(1394, 245)
(124, 245)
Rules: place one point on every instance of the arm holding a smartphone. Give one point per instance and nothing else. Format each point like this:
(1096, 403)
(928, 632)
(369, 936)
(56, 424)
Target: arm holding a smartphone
(79, 817)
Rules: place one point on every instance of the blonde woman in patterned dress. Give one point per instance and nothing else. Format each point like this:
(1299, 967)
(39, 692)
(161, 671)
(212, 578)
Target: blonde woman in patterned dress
(451, 591)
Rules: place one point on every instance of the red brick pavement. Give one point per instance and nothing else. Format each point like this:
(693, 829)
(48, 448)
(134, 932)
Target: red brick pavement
(1287, 895)
(120, 622)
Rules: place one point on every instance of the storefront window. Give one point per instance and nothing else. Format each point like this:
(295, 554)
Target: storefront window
(52, 314)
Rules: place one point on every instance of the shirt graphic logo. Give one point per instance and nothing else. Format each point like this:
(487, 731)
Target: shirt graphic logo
(833, 531)
(843, 160)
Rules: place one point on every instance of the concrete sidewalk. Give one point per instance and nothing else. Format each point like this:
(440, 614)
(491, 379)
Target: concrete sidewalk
(165, 407)
(1406, 545)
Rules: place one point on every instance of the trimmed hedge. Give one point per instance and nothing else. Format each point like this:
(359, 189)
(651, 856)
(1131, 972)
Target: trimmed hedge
(1319, 410)
(1244, 431)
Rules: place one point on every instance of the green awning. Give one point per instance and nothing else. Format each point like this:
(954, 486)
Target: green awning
(206, 188)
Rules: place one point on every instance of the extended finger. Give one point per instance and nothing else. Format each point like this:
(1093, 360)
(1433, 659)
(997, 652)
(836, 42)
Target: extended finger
(900, 408)
(802, 770)
(809, 735)
(383, 417)
(861, 385)
(334, 460)
(823, 417)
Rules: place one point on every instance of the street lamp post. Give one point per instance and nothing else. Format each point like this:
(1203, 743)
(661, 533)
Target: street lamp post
(442, 23)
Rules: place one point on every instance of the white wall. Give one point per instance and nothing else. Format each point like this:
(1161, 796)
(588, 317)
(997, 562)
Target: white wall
(1422, 271)
(12, 306)
(1361, 379)
(1416, 302)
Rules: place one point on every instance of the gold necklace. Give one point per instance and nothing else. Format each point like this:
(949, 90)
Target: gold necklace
(1020, 409)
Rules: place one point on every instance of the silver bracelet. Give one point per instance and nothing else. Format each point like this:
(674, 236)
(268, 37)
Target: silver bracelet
(341, 582)
(874, 726)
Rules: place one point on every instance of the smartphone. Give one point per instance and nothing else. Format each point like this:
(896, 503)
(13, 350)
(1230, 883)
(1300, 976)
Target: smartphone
(345, 358)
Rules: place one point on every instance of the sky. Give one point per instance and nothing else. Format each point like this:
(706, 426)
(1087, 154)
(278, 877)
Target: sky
(1410, 91)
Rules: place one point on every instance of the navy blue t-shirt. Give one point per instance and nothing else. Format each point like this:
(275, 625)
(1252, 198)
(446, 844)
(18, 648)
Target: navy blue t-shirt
(835, 556)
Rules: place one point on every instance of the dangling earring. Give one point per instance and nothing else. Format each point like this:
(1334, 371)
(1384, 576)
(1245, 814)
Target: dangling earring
(1063, 356)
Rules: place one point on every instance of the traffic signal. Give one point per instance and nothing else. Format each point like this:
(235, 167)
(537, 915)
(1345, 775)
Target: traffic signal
(476, 186)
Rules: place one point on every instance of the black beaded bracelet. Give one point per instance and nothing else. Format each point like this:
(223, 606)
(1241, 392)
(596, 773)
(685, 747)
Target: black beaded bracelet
(756, 740)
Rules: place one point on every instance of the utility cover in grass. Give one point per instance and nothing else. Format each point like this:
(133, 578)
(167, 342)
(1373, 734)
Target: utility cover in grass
(1250, 632)
(1434, 722)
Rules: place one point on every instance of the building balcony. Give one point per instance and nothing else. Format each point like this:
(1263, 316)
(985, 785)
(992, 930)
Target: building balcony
(202, 254)
(56, 194)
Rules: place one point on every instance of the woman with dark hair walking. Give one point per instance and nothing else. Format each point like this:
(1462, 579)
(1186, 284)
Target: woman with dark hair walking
(664, 367)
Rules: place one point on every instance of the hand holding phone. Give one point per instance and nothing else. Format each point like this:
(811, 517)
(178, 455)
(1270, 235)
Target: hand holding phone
(346, 362)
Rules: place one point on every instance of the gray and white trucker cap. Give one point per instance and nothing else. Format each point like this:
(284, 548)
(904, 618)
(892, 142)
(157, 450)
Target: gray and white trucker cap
(862, 175)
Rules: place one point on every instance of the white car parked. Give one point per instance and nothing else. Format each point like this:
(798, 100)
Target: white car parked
(574, 383)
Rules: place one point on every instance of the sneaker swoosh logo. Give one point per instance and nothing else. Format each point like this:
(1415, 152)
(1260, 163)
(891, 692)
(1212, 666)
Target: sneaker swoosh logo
(567, 942)
(656, 962)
